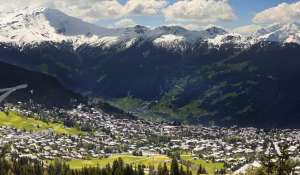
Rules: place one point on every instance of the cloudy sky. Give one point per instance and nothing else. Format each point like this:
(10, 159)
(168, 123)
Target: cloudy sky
(240, 15)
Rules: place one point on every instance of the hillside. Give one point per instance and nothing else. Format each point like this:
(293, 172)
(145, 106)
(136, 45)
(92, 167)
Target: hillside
(43, 89)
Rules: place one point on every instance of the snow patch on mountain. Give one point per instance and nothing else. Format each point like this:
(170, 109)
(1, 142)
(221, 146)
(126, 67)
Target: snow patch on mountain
(108, 41)
(26, 27)
(131, 42)
(43, 24)
(284, 33)
(235, 39)
(169, 39)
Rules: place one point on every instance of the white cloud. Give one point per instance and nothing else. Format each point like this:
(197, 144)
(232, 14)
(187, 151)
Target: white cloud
(199, 11)
(247, 30)
(92, 10)
(144, 7)
(194, 27)
(282, 13)
(123, 23)
(8, 5)
(89, 10)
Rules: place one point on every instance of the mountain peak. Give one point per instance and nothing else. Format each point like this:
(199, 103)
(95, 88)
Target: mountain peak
(285, 33)
(214, 30)
(44, 24)
(139, 29)
(172, 29)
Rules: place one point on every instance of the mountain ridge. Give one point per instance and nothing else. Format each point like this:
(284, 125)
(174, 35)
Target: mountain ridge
(33, 26)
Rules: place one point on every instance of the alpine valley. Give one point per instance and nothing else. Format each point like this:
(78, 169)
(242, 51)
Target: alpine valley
(213, 76)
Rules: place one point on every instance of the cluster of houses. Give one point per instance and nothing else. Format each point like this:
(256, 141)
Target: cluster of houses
(47, 145)
(235, 147)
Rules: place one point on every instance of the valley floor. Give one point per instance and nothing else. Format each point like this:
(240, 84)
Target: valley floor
(87, 137)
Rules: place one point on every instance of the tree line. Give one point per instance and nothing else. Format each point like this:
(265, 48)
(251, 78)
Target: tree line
(15, 165)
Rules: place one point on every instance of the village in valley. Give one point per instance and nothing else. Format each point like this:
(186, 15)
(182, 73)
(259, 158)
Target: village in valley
(99, 135)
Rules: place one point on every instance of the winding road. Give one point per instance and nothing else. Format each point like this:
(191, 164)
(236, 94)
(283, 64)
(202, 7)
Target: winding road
(8, 91)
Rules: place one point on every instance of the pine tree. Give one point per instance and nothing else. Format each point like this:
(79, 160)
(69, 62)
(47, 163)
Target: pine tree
(284, 164)
(159, 170)
(267, 162)
(140, 170)
(117, 167)
(181, 171)
(151, 170)
(174, 167)
(201, 170)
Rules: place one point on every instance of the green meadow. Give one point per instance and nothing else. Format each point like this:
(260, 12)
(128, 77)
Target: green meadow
(129, 159)
(209, 166)
(30, 124)
(154, 160)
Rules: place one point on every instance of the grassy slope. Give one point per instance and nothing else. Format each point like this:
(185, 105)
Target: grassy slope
(209, 166)
(127, 103)
(30, 124)
(145, 160)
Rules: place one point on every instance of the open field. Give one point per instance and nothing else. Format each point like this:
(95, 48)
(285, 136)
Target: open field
(129, 159)
(30, 124)
(209, 166)
(154, 160)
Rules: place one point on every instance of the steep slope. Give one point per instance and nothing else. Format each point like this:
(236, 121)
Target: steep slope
(46, 90)
(42, 89)
(258, 87)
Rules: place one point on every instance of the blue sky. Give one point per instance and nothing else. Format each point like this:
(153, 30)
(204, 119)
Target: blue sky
(245, 10)
(242, 15)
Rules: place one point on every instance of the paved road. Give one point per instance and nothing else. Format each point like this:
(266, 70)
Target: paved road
(10, 90)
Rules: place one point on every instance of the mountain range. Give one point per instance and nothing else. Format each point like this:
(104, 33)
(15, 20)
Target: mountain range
(211, 76)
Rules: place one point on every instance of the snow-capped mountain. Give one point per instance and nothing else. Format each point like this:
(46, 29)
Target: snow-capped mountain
(33, 26)
(285, 33)
(44, 24)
